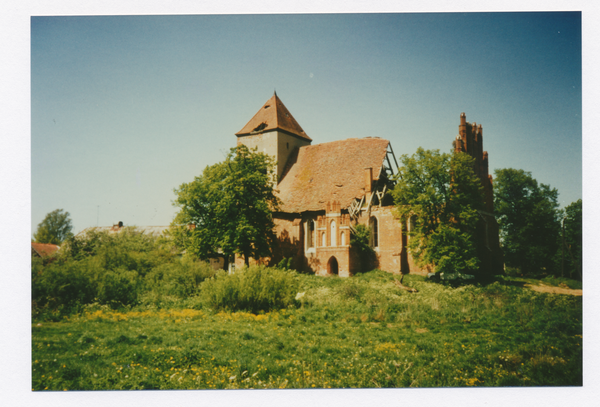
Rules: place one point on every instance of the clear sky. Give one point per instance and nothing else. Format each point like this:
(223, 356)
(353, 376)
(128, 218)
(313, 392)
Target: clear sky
(125, 109)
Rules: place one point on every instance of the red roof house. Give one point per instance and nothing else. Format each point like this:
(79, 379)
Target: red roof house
(43, 249)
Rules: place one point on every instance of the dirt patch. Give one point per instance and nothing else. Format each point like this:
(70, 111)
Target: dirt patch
(554, 290)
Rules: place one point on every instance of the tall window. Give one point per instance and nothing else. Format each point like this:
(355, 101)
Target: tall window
(374, 232)
(342, 239)
(310, 233)
(323, 239)
(333, 233)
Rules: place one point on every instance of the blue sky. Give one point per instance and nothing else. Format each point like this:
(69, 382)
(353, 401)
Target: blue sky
(125, 109)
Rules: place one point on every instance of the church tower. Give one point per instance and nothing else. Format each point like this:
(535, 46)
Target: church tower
(470, 141)
(274, 131)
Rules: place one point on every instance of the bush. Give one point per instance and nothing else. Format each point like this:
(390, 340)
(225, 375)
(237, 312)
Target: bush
(180, 278)
(119, 288)
(252, 289)
(65, 286)
(118, 270)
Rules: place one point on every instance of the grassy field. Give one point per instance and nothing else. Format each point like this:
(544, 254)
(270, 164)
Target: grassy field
(359, 332)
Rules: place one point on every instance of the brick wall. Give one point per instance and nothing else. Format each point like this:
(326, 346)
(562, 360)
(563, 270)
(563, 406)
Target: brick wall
(392, 253)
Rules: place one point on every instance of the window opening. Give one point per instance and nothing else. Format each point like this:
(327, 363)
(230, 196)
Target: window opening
(310, 233)
(333, 233)
(374, 232)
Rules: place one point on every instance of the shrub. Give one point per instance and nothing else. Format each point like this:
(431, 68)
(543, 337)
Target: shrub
(180, 278)
(63, 286)
(252, 289)
(351, 290)
(119, 288)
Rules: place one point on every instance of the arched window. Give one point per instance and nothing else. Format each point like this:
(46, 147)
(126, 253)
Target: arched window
(310, 233)
(374, 232)
(342, 239)
(332, 229)
(323, 239)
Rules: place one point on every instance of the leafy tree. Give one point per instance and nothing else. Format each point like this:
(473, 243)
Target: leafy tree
(359, 240)
(529, 220)
(573, 230)
(230, 207)
(55, 228)
(441, 194)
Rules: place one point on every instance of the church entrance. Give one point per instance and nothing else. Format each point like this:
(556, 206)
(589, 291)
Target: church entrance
(332, 266)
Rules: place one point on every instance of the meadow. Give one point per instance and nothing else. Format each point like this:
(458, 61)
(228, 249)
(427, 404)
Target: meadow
(360, 332)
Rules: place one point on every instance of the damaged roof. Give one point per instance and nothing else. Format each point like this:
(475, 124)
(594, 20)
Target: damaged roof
(273, 116)
(330, 171)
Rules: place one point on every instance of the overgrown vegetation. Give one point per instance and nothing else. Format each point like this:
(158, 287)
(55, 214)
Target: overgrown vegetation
(327, 333)
(118, 270)
(441, 194)
(529, 219)
(360, 242)
(533, 241)
(571, 253)
(229, 207)
(255, 289)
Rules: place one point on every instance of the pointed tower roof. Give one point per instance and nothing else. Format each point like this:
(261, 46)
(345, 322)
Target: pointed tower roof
(273, 116)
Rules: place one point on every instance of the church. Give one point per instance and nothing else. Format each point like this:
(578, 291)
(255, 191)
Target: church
(328, 189)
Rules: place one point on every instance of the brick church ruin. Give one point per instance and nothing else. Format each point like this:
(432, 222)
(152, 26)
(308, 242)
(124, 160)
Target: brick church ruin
(328, 189)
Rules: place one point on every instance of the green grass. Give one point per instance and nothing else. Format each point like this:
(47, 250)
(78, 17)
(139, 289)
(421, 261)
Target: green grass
(358, 332)
(548, 280)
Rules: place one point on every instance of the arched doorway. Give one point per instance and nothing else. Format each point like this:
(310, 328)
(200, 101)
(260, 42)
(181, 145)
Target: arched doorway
(332, 266)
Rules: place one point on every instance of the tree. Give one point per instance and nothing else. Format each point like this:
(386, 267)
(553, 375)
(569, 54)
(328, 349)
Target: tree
(55, 228)
(359, 240)
(441, 194)
(529, 220)
(573, 239)
(228, 209)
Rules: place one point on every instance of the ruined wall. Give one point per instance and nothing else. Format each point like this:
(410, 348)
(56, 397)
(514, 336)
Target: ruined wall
(392, 251)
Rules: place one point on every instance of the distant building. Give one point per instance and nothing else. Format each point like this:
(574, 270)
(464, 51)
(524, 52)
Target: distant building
(327, 189)
(44, 249)
(118, 227)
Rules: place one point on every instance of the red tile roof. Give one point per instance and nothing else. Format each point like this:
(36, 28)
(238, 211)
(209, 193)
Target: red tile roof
(44, 249)
(330, 171)
(273, 116)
